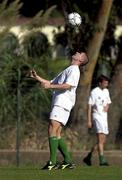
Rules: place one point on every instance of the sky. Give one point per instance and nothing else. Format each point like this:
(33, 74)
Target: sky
(31, 7)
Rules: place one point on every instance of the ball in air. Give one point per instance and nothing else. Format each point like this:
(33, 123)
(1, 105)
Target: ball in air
(74, 19)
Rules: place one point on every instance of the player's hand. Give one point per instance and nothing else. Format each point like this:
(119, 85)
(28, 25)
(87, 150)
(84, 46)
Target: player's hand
(105, 108)
(33, 74)
(89, 124)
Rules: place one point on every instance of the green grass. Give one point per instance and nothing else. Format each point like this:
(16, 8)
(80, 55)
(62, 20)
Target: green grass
(80, 173)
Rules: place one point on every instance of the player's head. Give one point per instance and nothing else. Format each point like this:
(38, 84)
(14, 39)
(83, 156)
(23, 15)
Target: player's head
(79, 58)
(103, 81)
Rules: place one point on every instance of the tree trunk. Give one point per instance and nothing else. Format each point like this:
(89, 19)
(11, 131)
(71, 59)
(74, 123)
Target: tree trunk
(115, 113)
(78, 115)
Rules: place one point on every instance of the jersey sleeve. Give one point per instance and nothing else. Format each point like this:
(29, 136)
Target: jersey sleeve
(73, 76)
(55, 79)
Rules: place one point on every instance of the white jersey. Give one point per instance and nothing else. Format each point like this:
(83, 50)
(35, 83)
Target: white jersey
(66, 98)
(98, 99)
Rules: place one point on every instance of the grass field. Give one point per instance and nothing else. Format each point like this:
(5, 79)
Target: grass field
(80, 173)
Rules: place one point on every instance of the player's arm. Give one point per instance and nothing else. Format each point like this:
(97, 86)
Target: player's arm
(47, 84)
(56, 86)
(71, 81)
(89, 116)
(34, 75)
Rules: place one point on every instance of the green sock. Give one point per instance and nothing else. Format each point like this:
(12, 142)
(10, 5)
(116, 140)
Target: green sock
(101, 159)
(53, 144)
(64, 150)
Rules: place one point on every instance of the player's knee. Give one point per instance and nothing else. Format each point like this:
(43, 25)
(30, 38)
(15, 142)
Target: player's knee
(54, 128)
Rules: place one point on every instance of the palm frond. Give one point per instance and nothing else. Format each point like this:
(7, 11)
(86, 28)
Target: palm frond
(40, 19)
(9, 13)
(3, 6)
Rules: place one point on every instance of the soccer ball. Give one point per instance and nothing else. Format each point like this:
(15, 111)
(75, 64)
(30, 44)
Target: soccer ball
(74, 19)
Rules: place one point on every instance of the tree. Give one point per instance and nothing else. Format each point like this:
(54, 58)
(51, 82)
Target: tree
(115, 115)
(79, 113)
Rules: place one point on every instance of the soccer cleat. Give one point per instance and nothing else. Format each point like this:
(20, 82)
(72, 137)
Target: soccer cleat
(87, 161)
(65, 165)
(57, 166)
(104, 164)
(49, 166)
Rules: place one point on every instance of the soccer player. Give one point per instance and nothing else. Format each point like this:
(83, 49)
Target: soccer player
(63, 100)
(98, 106)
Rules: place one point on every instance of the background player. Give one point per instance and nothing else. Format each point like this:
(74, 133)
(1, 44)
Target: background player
(98, 106)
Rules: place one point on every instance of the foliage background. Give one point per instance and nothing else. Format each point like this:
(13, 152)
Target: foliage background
(22, 99)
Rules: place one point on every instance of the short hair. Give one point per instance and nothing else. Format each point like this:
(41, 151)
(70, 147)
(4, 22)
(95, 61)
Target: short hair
(87, 58)
(81, 51)
(102, 78)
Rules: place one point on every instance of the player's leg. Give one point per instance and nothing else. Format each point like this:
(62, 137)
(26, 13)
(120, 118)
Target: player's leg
(88, 159)
(101, 141)
(53, 144)
(62, 146)
(53, 139)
